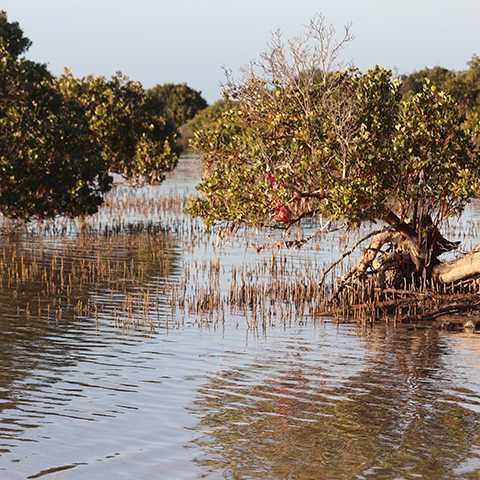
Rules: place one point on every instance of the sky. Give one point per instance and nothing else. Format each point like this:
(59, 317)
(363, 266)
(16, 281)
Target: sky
(176, 41)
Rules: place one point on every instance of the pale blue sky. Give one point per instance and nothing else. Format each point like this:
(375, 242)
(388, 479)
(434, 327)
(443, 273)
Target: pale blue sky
(159, 41)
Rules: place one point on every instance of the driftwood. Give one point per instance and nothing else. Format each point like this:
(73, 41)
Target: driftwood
(460, 269)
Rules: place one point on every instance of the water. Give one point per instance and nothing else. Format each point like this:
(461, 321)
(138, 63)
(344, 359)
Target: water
(104, 376)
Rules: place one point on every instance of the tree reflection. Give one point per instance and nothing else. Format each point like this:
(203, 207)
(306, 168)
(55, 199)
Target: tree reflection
(398, 416)
(42, 284)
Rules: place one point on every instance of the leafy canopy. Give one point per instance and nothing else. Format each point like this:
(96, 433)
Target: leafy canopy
(178, 102)
(48, 163)
(303, 137)
(12, 38)
(463, 86)
(134, 138)
(209, 117)
(60, 138)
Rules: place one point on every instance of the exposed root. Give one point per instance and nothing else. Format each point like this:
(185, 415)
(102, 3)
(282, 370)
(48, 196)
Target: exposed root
(455, 305)
(390, 279)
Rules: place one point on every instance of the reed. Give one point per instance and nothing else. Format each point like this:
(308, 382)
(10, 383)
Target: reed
(141, 265)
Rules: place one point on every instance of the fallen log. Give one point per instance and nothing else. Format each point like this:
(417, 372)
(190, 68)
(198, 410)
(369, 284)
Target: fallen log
(460, 269)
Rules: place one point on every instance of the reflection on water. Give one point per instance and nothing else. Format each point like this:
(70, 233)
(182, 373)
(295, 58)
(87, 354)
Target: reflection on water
(374, 405)
(102, 376)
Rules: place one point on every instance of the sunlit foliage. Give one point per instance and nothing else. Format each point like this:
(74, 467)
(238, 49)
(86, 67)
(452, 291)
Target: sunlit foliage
(48, 163)
(61, 138)
(178, 102)
(209, 118)
(463, 86)
(134, 138)
(305, 137)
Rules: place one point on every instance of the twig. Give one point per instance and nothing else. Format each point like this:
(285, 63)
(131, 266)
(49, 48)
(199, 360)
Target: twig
(296, 243)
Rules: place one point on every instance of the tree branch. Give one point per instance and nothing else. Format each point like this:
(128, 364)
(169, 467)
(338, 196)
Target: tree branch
(350, 251)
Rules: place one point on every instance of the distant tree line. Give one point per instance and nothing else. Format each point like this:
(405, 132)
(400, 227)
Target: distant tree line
(61, 138)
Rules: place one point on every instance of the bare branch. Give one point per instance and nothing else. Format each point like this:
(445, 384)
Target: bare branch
(351, 250)
(295, 244)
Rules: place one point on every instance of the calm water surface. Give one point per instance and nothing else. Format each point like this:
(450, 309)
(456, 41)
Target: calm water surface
(96, 384)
